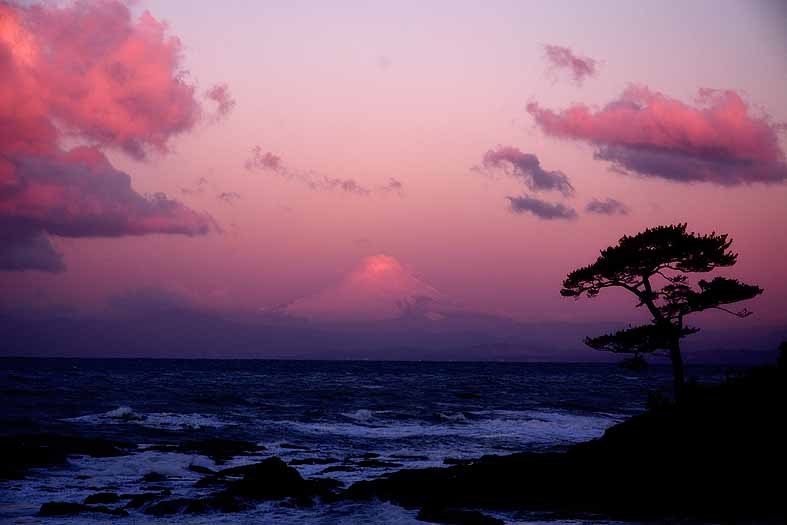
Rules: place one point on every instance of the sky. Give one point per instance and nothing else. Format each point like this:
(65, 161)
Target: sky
(332, 159)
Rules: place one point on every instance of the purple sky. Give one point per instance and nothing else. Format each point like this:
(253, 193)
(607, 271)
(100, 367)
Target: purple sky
(481, 149)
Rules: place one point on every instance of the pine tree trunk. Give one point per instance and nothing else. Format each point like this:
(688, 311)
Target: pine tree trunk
(677, 370)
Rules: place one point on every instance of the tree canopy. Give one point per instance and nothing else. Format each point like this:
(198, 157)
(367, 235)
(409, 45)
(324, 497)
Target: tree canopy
(655, 265)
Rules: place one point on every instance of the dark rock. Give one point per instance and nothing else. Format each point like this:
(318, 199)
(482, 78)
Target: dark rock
(273, 479)
(314, 461)
(102, 497)
(219, 449)
(210, 481)
(226, 503)
(19, 453)
(269, 480)
(456, 517)
(57, 508)
(201, 470)
(292, 446)
(139, 500)
(163, 448)
(457, 461)
(153, 477)
(711, 457)
(324, 486)
(467, 395)
(338, 468)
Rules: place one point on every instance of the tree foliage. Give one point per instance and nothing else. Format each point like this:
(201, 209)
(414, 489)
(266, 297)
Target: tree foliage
(655, 265)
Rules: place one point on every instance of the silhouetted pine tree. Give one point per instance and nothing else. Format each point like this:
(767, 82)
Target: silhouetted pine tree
(663, 255)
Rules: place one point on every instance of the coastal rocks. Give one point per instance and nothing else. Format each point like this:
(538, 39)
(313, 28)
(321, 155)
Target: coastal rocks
(199, 469)
(273, 479)
(338, 468)
(19, 453)
(457, 461)
(292, 446)
(137, 501)
(712, 457)
(220, 450)
(268, 480)
(153, 477)
(217, 449)
(57, 508)
(102, 497)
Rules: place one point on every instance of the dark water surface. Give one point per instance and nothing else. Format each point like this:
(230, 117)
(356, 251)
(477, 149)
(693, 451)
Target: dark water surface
(412, 414)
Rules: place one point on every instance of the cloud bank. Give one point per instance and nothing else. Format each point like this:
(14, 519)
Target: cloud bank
(88, 74)
(648, 133)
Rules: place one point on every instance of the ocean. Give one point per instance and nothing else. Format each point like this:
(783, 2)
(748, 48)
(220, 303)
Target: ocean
(316, 415)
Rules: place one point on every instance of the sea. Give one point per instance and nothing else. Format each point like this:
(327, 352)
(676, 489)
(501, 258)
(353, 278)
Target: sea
(403, 414)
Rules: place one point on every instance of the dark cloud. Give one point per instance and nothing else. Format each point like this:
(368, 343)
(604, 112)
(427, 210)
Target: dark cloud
(647, 133)
(527, 168)
(80, 194)
(147, 301)
(608, 206)
(678, 167)
(579, 67)
(541, 209)
(29, 252)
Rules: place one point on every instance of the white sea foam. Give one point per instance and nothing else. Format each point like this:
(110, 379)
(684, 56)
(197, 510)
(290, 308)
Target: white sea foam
(457, 417)
(523, 427)
(158, 420)
(359, 415)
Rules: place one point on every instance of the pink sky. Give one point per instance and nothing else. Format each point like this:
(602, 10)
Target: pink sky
(355, 95)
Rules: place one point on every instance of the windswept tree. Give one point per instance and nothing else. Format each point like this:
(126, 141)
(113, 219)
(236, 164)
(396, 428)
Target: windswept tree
(655, 265)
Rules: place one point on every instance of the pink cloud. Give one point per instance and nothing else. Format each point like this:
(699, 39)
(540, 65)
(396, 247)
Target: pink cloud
(263, 161)
(648, 133)
(85, 72)
(221, 96)
(559, 57)
(268, 162)
(100, 74)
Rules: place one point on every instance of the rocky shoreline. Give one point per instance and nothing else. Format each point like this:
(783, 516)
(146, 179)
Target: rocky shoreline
(715, 457)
